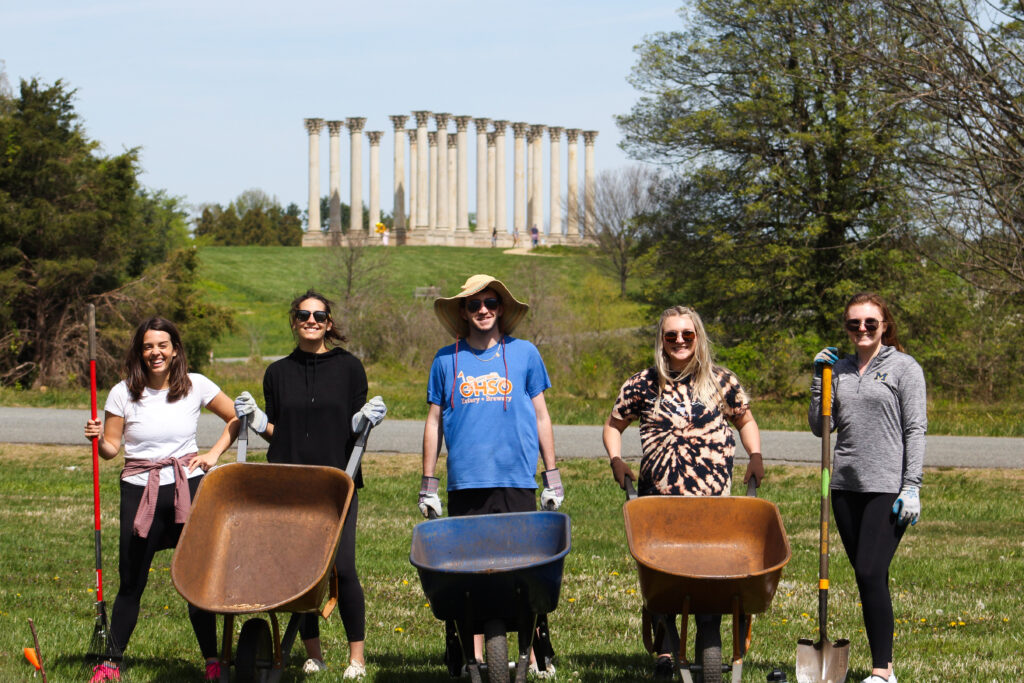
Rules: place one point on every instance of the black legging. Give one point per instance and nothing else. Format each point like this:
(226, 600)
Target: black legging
(351, 603)
(134, 562)
(871, 535)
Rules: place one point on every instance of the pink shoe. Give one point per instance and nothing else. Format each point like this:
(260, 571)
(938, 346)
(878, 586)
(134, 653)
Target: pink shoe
(212, 671)
(105, 672)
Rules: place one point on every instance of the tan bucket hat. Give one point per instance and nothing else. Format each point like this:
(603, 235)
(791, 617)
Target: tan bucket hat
(447, 309)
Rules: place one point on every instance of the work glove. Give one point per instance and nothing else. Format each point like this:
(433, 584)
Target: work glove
(428, 496)
(827, 356)
(907, 507)
(245, 404)
(373, 411)
(621, 470)
(553, 494)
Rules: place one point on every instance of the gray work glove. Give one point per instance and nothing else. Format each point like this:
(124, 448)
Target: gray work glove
(373, 411)
(907, 507)
(552, 496)
(245, 404)
(428, 497)
(827, 356)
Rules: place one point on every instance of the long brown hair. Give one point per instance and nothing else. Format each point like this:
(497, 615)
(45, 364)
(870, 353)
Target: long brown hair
(332, 335)
(889, 336)
(135, 366)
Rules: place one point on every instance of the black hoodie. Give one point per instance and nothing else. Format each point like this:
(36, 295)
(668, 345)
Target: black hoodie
(310, 399)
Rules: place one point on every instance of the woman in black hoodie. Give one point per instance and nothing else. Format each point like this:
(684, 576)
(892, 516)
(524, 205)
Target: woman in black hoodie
(311, 398)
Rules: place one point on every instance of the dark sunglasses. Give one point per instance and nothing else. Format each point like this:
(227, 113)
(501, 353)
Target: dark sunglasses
(492, 303)
(870, 324)
(686, 335)
(302, 316)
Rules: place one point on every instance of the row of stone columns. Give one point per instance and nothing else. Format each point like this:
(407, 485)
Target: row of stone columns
(438, 187)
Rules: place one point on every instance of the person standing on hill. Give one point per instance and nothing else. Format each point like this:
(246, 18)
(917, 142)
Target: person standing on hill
(879, 409)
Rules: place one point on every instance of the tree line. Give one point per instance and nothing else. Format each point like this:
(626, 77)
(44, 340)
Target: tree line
(802, 151)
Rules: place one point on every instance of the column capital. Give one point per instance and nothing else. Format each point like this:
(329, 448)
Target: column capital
(398, 121)
(572, 134)
(412, 134)
(535, 131)
(355, 124)
(432, 137)
(422, 117)
(313, 126)
(555, 132)
(519, 128)
(334, 128)
(462, 122)
(589, 136)
(481, 124)
(500, 125)
(452, 141)
(492, 139)
(442, 120)
(374, 136)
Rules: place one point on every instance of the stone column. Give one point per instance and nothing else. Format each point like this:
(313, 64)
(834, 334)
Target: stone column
(572, 197)
(518, 188)
(537, 178)
(555, 193)
(500, 174)
(484, 191)
(355, 212)
(588, 181)
(422, 170)
(413, 175)
(462, 173)
(491, 180)
(313, 127)
(531, 152)
(398, 212)
(443, 220)
(374, 137)
(452, 177)
(334, 179)
(432, 189)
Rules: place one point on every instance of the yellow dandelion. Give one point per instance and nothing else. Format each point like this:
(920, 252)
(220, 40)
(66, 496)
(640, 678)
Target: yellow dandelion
(785, 620)
(570, 599)
(426, 604)
(631, 591)
(399, 629)
(923, 620)
(1005, 619)
(615, 574)
(89, 589)
(166, 607)
(805, 615)
(405, 582)
(960, 623)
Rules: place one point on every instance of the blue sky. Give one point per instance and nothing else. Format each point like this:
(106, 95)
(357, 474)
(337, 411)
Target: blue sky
(214, 93)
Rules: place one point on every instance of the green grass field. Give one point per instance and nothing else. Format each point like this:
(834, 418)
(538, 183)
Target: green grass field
(955, 581)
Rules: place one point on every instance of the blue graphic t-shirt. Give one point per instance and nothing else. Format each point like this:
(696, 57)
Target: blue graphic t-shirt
(491, 431)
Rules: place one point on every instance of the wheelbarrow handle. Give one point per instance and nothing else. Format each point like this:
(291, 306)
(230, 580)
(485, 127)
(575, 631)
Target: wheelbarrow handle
(752, 487)
(630, 489)
(360, 446)
(243, 438)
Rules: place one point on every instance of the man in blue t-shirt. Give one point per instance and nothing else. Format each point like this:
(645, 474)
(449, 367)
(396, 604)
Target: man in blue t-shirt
(486, 400)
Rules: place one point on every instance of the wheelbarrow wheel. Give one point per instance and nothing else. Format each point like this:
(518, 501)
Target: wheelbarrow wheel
(496, 645)
(255, 653)
(711, 664)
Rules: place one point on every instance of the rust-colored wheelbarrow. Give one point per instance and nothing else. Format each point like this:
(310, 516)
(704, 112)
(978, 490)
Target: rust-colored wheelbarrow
(705, 555)
(262, 538)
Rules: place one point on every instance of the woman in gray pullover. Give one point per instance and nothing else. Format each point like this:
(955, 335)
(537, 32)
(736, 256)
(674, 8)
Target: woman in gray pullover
(879, 412)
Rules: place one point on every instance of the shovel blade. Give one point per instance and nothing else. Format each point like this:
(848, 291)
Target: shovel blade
(822, 662)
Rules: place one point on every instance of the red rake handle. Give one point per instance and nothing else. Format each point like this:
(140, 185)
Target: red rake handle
(95, 453)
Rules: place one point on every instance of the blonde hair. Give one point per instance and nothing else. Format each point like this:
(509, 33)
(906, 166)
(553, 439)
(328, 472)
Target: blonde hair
(701, 366)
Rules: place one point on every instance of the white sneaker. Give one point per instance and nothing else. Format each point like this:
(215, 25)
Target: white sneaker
(537, 673)
(354, 670)
(874, 678)
(313, 666)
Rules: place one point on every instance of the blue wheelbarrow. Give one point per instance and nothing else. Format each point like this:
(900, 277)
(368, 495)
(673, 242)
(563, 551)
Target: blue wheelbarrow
(493, 574)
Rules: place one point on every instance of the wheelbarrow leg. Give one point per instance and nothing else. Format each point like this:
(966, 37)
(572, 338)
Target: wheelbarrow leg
(277, 668)
(464, 629)
(288, 641)
(542, 648)
(683, 662)
(737, 644)
(527, 628)
(225, 654)
(453, 658)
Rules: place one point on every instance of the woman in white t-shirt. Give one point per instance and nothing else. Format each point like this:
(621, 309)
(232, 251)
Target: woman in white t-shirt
(155, 409)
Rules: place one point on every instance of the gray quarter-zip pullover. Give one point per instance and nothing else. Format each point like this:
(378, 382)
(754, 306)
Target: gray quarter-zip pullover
(881, 419)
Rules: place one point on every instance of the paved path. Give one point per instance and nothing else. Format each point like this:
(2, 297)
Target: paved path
(55, 426)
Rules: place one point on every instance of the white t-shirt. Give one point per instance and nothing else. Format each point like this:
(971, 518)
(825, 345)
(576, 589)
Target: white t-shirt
(155, 429)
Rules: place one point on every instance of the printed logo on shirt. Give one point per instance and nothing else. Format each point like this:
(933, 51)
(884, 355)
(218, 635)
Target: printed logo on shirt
(490, 387)
(881, 376)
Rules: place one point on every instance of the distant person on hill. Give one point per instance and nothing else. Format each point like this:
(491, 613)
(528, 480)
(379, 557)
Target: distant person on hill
(485, 398)
(315, 397)
(534, 236)
(879, 410)
(687, 407)
(155, 409)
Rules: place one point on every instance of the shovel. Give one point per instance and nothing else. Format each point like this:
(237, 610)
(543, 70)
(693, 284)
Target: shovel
(823, 661)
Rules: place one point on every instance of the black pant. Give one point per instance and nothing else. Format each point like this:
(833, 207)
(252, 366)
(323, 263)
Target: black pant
(134, 562)
(351, 602)
(871, 535)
